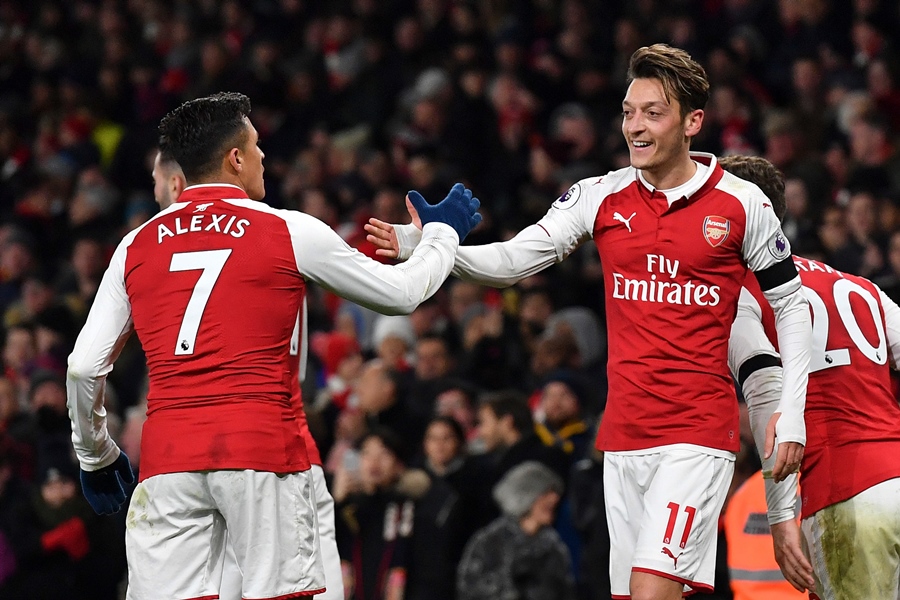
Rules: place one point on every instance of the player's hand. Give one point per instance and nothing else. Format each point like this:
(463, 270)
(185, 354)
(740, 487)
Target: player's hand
(105, 488)
(788, 456)
(383, 236)
(794, 565)
(459, 210)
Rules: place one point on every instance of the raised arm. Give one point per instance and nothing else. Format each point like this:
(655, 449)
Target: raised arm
(325, 258)
(503, 264)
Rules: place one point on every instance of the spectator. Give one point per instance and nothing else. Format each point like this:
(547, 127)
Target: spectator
(519, 555)
(375, 521)
(381, 397)
(444, 514)
(506, 428)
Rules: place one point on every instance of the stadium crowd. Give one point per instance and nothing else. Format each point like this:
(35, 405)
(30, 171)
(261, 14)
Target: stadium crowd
(424, 421)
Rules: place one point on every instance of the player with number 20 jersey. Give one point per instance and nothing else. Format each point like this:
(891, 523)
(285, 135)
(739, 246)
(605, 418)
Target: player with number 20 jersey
(850, 475)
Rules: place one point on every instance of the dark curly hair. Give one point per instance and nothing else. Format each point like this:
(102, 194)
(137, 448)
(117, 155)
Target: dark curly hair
(765, 175)
(197, 133)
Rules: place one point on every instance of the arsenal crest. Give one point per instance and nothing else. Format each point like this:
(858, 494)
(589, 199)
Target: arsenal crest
(715, 229)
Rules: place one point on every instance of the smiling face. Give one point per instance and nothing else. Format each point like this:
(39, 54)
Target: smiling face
(658, 136)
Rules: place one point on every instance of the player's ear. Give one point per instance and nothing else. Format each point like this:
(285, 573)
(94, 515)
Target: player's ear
(692, 123)
(236, 159)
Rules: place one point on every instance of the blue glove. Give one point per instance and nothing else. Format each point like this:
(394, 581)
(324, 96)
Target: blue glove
(104, 488)
(459, 210)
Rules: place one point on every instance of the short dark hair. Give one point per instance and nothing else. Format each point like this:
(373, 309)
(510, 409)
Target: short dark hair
(681, 76)
(512, 403)
(765, 175)
(197, 132)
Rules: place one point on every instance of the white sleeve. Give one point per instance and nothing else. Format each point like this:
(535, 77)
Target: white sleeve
(408, 237)
(754, 363)
(325, 258)
(748, 338)
(502, 264)
(105, 332)
(892, 326)
(567, 224)
(794, 327)
(761, 391)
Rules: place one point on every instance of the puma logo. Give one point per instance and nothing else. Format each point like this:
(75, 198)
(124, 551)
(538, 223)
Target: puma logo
(618, 217)
(202, 207)
(674, 558)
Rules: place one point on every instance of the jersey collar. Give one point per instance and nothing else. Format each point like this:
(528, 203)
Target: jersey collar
(712, 178)
(212, 191)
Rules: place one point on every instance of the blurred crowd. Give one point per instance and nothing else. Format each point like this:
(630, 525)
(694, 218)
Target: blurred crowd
(425, 421)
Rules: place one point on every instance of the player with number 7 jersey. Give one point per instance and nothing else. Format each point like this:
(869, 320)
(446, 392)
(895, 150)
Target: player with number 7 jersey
(212, 287)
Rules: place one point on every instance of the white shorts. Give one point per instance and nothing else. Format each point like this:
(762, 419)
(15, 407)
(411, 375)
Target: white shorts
(175, 535)
(334, 584)
(663, 510)
(854, 545)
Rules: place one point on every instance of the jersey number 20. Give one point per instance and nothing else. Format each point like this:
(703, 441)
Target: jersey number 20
(210, 262)
(823, 358)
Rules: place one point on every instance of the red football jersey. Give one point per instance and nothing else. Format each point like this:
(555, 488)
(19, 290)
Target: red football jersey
(218, 348)
(852, 417)
(298, 362)
(673, 274)
(212, 286)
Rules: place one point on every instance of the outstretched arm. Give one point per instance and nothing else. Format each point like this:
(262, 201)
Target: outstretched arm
(325, 258)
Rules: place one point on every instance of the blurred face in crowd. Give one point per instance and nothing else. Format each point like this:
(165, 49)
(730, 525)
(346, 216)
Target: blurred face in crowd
(9, 403)
(543, 510)
(861, 215)
(894, 252)
(50, 394)
(87, 259)
(559, 403)
(432, 359)
(19, 347)
(489, 428)
(658, 137)
(36, 295)
(15, 260)
(378, 466)
(455, 403)
(441, 445)
(833, 231)
(375, 389)
(796, 197)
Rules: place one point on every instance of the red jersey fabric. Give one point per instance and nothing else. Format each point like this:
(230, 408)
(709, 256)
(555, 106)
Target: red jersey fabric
(215, 292)
(673, 275)
(852, 417)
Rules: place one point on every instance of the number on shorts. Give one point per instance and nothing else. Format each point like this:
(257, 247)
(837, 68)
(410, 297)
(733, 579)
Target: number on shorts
(211, 263)
(670, 526)
(823, 358)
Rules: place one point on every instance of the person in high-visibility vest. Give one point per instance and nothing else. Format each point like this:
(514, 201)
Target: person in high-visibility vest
(752, 568)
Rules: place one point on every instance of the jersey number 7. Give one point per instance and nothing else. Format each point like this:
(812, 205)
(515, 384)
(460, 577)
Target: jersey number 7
(211, 263)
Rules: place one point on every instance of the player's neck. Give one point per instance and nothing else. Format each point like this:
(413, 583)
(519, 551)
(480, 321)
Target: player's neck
(671, 176)
(221, 177)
